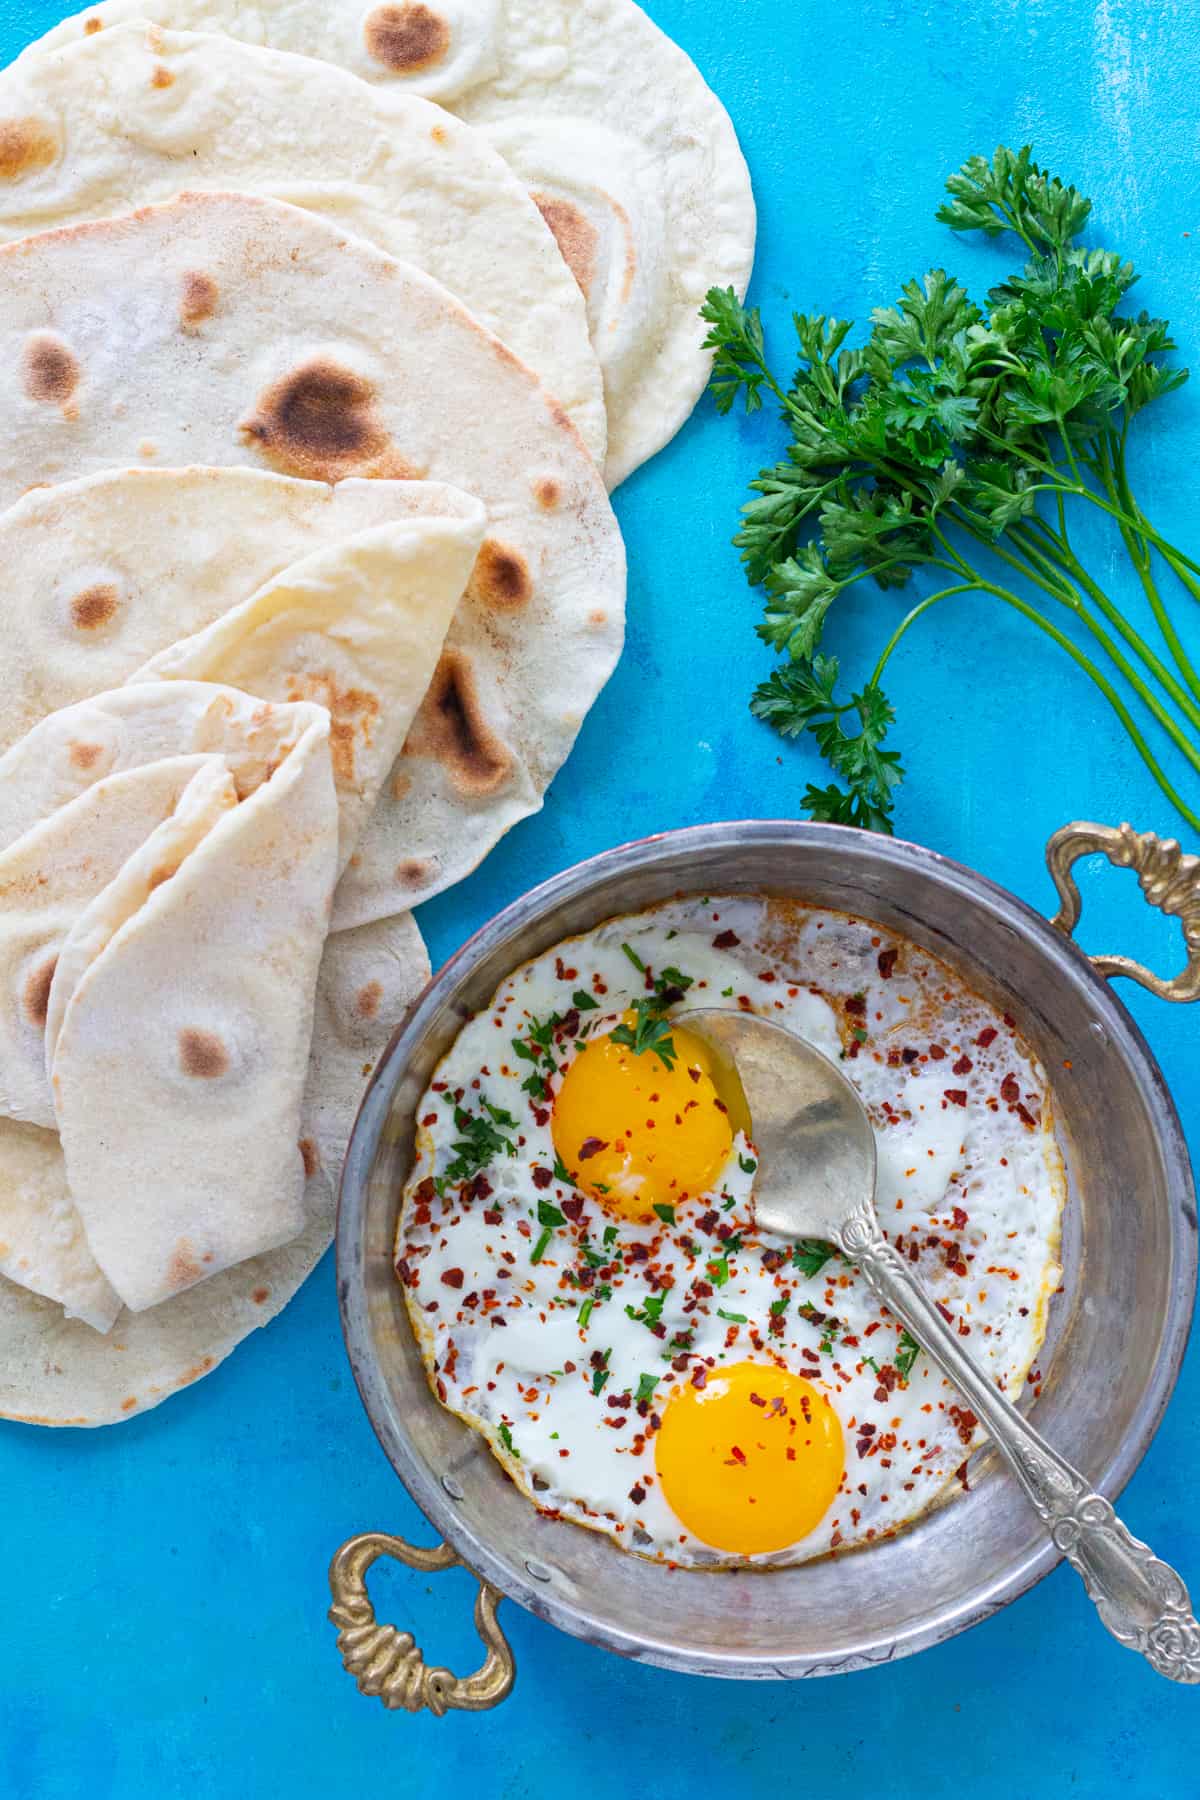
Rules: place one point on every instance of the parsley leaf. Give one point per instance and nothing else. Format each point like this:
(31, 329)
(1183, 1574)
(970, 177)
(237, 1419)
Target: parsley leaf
(650, 1033)
(666, 1213)
(906, 1355)
(478, 1146)
(955, 430)
(811, 1254)
(646, 1386)
(504, 1433)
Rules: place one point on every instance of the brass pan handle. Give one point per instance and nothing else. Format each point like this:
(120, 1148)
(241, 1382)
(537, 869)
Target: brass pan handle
(386, 1663)
(1169, 879)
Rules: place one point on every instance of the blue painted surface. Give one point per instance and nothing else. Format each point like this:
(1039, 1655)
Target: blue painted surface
(163, 1618)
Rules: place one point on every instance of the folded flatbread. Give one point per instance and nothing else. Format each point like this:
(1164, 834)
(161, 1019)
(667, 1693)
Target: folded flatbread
(325, 358)
(56, 1370)
(178, 1066)
(627, 151)
(102, 574)
(133, 115)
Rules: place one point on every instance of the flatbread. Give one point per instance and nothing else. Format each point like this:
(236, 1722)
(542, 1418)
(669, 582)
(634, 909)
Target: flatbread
(102, 574)
(133, 115)
(58, 1371)
(631, 156)
(182, 1048)
(326, 359)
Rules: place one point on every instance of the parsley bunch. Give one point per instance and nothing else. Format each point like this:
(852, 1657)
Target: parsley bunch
(951, 428)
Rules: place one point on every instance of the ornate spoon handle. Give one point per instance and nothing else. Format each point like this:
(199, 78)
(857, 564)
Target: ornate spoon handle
(1142, 1601)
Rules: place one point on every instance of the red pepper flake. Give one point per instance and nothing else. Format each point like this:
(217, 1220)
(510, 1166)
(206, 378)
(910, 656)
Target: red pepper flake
(725, 940)
(542, 1177)
(1026, 1117)
(430, 1119)
(492, 1216)
(963, 1066)
(637, 1493)
(936, 1051)
(736, 1455)
(887, 962)
(956, 1096)
(591, 1147)
(987, 1036)
(699, 1376)
(959, 1218)
(573, 1208)
(1010, 1089)
(908, 1055)
(541, 1116)
(452, 1278)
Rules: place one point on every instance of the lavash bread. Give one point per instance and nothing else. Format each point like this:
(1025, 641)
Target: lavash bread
(183, 1045)
(630, 155)
(59, 1371)
(324, 358)
(102, 574)
(131, 116)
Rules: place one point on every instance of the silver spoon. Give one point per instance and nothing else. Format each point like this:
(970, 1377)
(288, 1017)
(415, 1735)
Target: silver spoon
(816, 1179)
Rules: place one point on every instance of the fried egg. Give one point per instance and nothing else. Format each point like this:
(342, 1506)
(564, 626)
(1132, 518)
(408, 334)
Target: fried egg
(589, 1289)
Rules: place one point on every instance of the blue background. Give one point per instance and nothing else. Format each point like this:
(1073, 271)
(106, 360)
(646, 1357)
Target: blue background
(164, 1602)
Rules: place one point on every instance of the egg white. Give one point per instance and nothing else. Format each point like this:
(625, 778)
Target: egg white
(971, 1187)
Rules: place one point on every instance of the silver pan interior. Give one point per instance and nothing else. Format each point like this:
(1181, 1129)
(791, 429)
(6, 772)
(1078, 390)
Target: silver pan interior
(1117, 1339)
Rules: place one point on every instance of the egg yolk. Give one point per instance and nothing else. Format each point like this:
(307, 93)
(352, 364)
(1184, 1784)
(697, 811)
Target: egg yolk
(751, 1461)
(634, 1133)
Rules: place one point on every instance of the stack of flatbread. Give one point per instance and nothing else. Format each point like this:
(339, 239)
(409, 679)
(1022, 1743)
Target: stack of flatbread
(323, 335)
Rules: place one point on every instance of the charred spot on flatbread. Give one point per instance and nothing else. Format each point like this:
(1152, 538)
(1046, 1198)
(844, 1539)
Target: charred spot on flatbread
(366, 1001)
(184, 1269)
(500, 579)
(320, 421)
(450, 728)
(414, 872)
(94, 606)
(310, 1156)
(85, 756)
(49, 369)
(352, 713)
(575, 235)
(202, 1054)
(406, 38)
(547, 493)
(26, 145)
(198, 298)
(35, 998)
(162, 77)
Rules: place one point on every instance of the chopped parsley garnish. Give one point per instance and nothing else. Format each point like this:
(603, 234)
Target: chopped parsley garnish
(562, 1173)
(734, 1318)
(634, 958)
(671, 981)
(585, 1311)
(646, 1386)
(728, 1203)
(548, 1214)
(600, 1374)
(779, 1307)
(747, 1164)
(732, 1246)
(666, 1213)
(906, 1355)
(811, 1254)
(870, 1363)
(534, 1085)
(542, 1245)
(479, 1145)
(610, 1236)
(718, 1270)
(860, 1034)
(591, 1257)
(726, 992)
(506, 1439)
(651, 1032)
(584, 1001)
(650, 1311)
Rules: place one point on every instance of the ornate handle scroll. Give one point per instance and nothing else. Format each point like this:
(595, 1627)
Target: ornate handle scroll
(1141, 1601)
(386, 1663)
(1169, 879)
